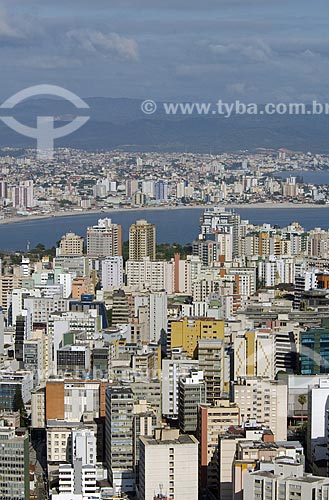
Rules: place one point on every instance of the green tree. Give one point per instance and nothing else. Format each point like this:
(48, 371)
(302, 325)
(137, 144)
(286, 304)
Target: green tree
(125, 250)
(302, 398)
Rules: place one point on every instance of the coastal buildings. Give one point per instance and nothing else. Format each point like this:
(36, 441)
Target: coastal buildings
(104, 239)
(23, 195)
(142, 240)
(108, 357)
(71, 244)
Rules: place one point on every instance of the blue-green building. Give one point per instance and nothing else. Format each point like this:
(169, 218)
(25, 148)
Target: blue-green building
(314, 350)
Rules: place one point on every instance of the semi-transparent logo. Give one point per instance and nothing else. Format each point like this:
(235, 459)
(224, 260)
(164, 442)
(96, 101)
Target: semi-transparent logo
(45, 132)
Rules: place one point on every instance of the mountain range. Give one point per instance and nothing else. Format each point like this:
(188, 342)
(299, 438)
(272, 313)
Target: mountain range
(120, 124)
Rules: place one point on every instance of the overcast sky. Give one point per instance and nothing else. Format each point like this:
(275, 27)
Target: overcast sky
(202, 50)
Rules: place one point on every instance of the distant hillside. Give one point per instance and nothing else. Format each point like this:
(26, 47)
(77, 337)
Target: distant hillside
(119, 123)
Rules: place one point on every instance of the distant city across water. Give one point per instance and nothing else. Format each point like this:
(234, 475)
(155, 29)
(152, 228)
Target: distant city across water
(179, 226)
(313, 177)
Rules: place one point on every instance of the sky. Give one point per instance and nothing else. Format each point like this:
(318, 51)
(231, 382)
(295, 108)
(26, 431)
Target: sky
(197, 50)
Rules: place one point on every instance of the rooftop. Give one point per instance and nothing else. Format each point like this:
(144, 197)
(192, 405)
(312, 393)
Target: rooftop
(180, 440)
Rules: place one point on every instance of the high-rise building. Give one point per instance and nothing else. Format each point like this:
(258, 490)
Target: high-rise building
(119, 437)
(148, 390)
(212, 362)
(7, 285)
(73, 361)
(38, 408)
(206, 250)
(14, 464)
(2, 332)
(186, 271)
(13, 384)
(250, 454)
(213, 420)
(180, 190)
(144, 424)
(158, 316)
(131, 187)
(168, 466)
(148, 188)
(70, 244)
(172, 370)
(22, 195)
(112, 273)
(161, 191)
(3, 189)
(192, 393)
(150, 274)
(104, 240)
(318, 426)
(151, 309)
(120, 308)
(34, 358)
(284, 478)
(79, 477)
(264, 401)
(82, 286)
(142, 240)
(219, 220)
(254, 354)
(139, 198)
(72, 399)
(25, 267)
(314, 349)
(20, 336)
(187, 332)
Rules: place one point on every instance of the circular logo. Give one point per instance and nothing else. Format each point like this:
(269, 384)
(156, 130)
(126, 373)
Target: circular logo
(149, 107)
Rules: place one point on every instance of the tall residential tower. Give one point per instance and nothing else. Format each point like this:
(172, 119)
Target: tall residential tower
(142, 240)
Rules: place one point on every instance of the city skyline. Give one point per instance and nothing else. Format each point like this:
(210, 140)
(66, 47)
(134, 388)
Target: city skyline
(164, 250)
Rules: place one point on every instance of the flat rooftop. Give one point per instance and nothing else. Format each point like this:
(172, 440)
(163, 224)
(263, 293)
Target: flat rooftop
(182, 439)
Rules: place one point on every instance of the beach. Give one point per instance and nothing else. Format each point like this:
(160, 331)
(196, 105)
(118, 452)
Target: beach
(70, 213)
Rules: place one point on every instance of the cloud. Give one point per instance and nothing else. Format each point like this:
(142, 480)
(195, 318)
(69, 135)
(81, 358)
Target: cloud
(254, 50)
(238, 88)
(223, 48)
(106, 44)
(6, 30)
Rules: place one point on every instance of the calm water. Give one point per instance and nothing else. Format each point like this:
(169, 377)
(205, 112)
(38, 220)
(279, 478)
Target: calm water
(180, 226)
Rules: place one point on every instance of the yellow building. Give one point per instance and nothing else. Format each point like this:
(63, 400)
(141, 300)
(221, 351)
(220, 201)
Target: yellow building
(265, 244)
(187, 332)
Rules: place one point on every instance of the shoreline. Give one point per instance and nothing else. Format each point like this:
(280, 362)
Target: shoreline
(73, 213)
